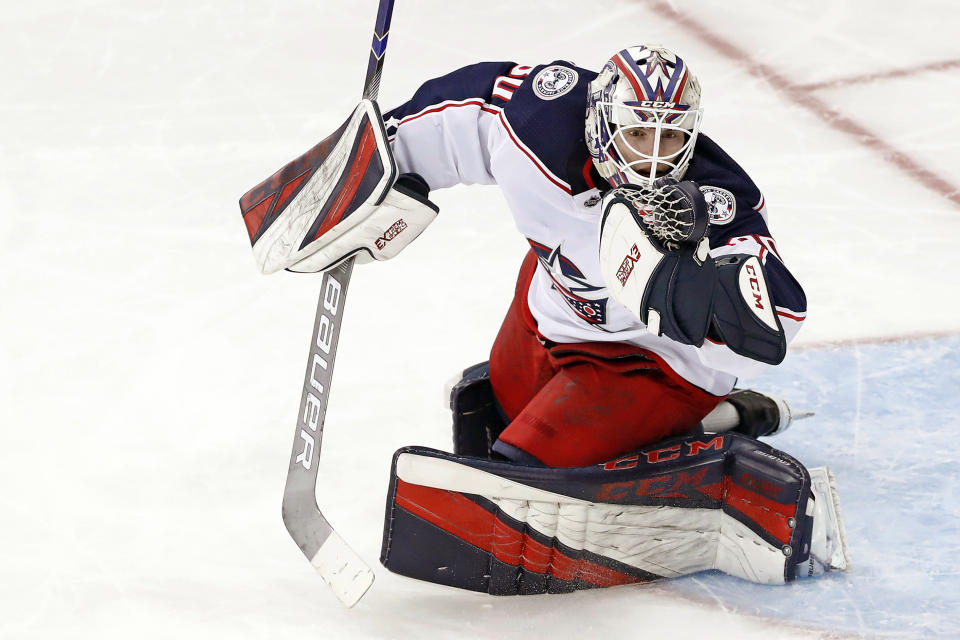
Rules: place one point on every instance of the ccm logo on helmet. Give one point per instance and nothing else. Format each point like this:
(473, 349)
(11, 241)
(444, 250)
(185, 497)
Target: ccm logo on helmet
(657, 104)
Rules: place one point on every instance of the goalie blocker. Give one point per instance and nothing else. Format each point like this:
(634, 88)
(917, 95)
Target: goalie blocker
(722, 502)
(655, 259)
(340, 199)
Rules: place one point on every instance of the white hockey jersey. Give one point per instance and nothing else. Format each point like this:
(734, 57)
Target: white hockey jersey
(517, 127)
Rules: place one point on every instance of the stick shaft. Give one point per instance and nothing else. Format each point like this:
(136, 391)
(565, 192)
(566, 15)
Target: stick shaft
(300, 513)
(340, 567)
(343, 570)
(378, 49)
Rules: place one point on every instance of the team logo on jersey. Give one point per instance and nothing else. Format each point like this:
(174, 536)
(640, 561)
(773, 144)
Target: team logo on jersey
(720, 203)
(554, 81)
(570, 282)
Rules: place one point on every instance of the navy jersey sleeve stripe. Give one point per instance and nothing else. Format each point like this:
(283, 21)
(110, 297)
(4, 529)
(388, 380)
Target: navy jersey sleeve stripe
(745, 226)
(474, 81)
(784, 289)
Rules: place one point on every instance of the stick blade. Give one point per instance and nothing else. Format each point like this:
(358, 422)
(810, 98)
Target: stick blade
(342, 569)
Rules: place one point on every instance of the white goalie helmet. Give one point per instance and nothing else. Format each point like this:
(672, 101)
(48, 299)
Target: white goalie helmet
(643, 116)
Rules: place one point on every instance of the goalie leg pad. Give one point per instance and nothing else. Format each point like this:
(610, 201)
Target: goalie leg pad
(477, 420)
(723, 502)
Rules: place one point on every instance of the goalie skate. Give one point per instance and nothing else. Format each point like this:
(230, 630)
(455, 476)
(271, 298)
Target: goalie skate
(753, 414)
(828, 544)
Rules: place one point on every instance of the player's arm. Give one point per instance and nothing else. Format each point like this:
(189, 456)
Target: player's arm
(656, 259)
(364, 191)
(436, 139)
(442, 132)
(739, 240)
(749, 262)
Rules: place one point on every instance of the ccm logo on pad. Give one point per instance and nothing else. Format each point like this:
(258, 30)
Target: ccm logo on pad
(665, 454)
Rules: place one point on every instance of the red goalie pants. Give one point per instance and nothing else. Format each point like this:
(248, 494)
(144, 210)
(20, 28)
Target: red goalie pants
(572, 405)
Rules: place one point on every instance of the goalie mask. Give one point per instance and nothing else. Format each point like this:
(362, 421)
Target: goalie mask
(643, 116)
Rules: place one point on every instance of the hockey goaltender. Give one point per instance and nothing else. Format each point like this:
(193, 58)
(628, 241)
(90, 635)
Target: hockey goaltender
(603, 443)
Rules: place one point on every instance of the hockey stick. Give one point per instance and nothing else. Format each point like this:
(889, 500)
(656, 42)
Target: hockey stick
(340, 567)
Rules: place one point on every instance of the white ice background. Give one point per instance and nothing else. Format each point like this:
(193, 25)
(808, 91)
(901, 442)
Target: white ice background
(149, 376)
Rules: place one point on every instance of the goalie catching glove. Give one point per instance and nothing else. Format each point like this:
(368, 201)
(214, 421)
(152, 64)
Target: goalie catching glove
(655, 259)
(342, 198)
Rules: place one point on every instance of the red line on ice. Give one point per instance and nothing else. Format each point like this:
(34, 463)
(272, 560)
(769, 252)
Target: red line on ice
(868, 340)
(943, 65)
(804, 97)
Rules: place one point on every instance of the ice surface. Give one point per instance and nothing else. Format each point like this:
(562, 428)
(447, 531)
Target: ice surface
(149, 377)
(885, 417)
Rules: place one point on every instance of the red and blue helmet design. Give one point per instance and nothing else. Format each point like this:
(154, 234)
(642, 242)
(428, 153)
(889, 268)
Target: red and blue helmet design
(643, 116)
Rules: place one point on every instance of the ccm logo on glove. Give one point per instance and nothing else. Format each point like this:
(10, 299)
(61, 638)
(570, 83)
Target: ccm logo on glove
(755, 286)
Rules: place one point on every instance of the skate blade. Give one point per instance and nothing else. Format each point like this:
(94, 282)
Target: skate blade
(824, 484)
(788, 415)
